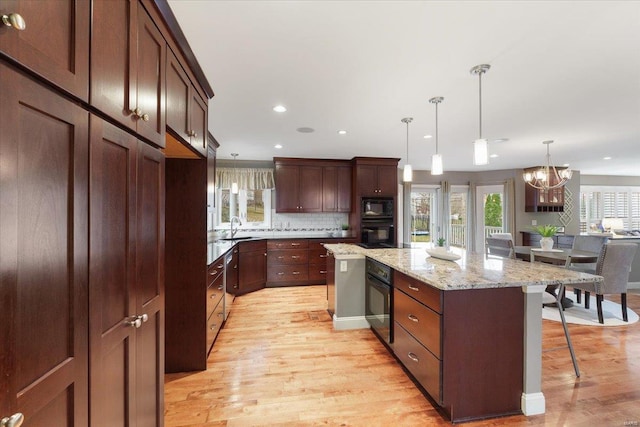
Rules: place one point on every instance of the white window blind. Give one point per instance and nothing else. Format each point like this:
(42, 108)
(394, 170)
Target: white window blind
(598, 203)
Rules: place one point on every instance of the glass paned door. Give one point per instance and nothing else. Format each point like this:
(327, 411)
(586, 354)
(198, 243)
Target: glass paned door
(489, 213)
(423, 215)
(458, 217)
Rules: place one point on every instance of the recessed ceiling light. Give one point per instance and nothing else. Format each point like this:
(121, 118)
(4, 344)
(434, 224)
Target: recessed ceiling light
(342, 132)
(493, 156)
(278, 146)
(606, 158)
(279, 108)
(566, 165)
(305, 130)
(499, 140)
(428, 136)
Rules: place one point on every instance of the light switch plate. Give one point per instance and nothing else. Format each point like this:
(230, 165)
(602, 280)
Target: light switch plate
(343, 266)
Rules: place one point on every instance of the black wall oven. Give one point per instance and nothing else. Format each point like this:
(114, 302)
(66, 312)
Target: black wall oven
(379, 299)
(378, 233)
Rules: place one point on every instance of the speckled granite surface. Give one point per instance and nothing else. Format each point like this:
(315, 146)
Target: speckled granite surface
(472, 271)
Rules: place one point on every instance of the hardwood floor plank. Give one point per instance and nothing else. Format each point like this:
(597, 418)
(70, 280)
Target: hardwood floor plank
(278, 362)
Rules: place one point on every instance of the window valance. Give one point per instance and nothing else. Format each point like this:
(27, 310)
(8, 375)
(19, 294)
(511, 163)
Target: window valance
(247, 178)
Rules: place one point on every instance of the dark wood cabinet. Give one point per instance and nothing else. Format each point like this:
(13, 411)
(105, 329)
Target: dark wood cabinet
(55, 42)
(126, 299)
(298, 188)
(252, 264)
(336, 188)
(128, 56)
(212, 147)
(233, 272)
(377, 180)
(543, 200)
(44, 252)
(442, 336)
(186, 110)
(561, 241)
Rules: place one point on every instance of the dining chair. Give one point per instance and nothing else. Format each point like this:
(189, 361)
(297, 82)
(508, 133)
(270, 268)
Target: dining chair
(499, 247)
(614, 265)
(587, 244)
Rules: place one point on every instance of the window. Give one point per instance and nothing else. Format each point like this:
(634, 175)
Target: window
(422, 215)
(458, 216)
(253, 207)
(598, 203)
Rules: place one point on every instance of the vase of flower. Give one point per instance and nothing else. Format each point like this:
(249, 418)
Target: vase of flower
(345, 230)
(547, 232)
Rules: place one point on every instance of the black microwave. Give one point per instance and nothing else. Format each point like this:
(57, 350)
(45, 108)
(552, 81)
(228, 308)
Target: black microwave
(377, 208)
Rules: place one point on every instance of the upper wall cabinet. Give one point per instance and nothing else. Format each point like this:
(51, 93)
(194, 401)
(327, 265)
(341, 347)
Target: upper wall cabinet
(128, 56)
(543, 200)
(376, 177)
(336, 188)
(298, 188)
(186, 110)
(54, 42)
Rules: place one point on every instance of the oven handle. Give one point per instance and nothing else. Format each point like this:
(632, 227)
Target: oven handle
(377, 283)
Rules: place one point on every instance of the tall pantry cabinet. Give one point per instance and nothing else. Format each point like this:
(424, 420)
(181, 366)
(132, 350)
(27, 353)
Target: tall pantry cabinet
(82, 210)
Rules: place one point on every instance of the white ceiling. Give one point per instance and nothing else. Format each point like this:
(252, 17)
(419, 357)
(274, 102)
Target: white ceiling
(567, 71)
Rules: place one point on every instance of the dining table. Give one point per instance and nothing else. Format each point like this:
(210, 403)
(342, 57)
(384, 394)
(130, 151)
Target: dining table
(557, 256)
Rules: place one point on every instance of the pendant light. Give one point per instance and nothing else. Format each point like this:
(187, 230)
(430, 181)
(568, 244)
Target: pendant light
(407, 174)
(234, 184)
(436, 159)
(547, 177)
(480, 149)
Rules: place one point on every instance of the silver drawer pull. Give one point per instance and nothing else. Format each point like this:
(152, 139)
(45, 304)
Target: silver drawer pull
(295, 244)
(281, 256)
(295, 256)
(413, 318)
(220, 287)
(220, 266)
(323, 256)
(295, 273)
(14, 420)
(235, 266)
(413, 288)
(413, 357)
(213, 327)
(323, 271)
(281, 274)
(213, 296)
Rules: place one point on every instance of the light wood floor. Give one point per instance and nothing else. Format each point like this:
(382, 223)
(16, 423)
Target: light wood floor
(279, 362)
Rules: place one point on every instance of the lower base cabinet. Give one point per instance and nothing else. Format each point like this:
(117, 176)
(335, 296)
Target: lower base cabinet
(464, 347)
(252, 265)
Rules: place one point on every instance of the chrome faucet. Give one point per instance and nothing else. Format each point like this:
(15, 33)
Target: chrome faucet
(233, 232)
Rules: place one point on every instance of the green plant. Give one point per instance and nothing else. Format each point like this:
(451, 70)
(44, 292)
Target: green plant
(441, 241)
(345, 226)
(546, 230)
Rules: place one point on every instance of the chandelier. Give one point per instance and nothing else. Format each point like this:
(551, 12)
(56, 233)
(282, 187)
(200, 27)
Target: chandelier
(547, 177)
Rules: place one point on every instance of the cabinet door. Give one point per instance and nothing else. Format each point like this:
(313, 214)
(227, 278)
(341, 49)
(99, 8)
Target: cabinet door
(387, 181)
(253, 270)
(344, 189)
(43, 254)
(127, 67)
(150, 80)
(367, 179)
(198, 128)
(286, 177)
(330, 189)
(310, 189)
(178, 93)
(113, 32)
(150, 201)
(112, 304)
(55, 42)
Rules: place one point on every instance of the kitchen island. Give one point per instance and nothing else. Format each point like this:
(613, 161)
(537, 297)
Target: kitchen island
(481, 335)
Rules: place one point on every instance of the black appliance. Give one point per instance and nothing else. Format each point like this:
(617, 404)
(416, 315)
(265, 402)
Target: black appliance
(379, 299)
(375, 208)
(378, 233)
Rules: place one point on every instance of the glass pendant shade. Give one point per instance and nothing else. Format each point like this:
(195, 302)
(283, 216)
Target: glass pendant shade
(407, 174)
(436, 164)
(480, 152)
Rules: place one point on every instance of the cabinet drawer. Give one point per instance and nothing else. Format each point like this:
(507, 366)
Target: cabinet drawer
(214, 294)
(215, 270)
(318, 256)
(423, 365)
(424, 293)
(288, 244)
(214, 323)
(315, 245)
(287, 273)
(419, 320)
(317, 273)
(258, 245)
(287, 256)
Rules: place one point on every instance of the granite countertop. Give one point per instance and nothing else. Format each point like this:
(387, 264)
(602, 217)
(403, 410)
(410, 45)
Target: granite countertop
(218, 248)
(472, 271)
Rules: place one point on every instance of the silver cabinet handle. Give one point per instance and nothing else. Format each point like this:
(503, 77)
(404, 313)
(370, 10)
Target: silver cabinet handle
(323, 256)
(220, 287)
(138, 114)
(144, 318)
(281, 274)
(295, 256)
(295, 244)
(212, 327)
(14, 420)
(16, 21)
(280, 257)
(413, 357)
(295, 273)
(220, 265)
(134, 322)
(213, 296)
(413, 288)
(323, 271)
(413, 318)
(192, 134)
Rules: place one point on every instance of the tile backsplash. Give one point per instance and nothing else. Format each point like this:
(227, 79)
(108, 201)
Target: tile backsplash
(310, 223)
